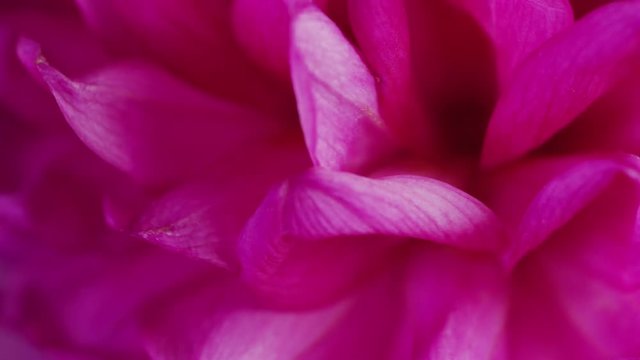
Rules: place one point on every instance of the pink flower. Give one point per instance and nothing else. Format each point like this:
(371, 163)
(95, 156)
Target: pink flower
(335, 179)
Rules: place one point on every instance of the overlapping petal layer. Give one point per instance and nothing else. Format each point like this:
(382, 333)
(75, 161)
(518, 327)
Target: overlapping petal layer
(318, 233)
(151, 125)
(562, 79)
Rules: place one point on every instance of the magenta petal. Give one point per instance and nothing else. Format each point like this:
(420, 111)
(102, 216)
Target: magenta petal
(192, 38)
(204, 218)
(224, 321)
(336, 95)
(332, 226)
(221, 321)
(611, 123)
(151, 125)
(262, 27)
(595, 272)
(537, 198)
(382, 31)
(538, 326)
(456, 306)
(517, 28)
(562, 79)
(19, 92)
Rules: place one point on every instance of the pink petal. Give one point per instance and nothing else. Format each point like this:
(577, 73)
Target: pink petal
(336, 96)
(537, 198)
(149, 124)
(194, 39)
(591, 268)
(204, 218)
(454, 66)
(583, 7)
(332, 226)
(604, 239)
(456, 306)
(223, 321)
(610, 123)
(125, 288)
(262, 27)
(19, 91)
(563, 78)
(382, 31)
(538, 326)
(518, 28)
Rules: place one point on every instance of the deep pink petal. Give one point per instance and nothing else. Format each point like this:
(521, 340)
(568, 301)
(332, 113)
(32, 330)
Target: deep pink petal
(517, 28)
(538, 326)
(456, 306)
(194, 39)
(224, 321)
(610, 123)
(562, 79)
(382, 30)
(151, 125)
(537, 198)
(204, 218)
(453, 63)
(336, 95)
(19, 91)
(332, 226)
(578, 297)
(262, 27)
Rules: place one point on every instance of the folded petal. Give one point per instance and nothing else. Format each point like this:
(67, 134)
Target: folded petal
(537, 198)
(204, 218)
(382, 30)
(453, 62)
(192, 38)
(591, 268)
(336, 95)
(609, 124)
(224, 321)
(262, 27)
(15, 347)
(538, 326)
(332, 226)
(151, 125)
(562, 79)
(456, 306)
(517, 28)
(19, 91)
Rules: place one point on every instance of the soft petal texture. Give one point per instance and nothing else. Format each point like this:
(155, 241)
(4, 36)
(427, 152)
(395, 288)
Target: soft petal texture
(517, 28)
(609, 124)
(188, 213)
(336, 96)
(562, 79)
(538, 327)
(204, 218)
(537, 198)
(262, 27)
(581, 290)
(454, 66)
(19, 91)
(456, 306)
(382, 31)
(312, 225)
(192, 38)
(595, 272)
(237, 326)
(151, 125)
